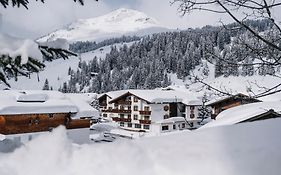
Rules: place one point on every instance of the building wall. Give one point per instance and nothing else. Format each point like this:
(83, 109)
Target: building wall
(158, 127)
(27, 123)
(189, 111)
(158, 112)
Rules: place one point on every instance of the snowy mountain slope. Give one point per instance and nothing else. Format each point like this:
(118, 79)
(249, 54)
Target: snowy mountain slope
(246, 149)
(117, 23)
(57, 71)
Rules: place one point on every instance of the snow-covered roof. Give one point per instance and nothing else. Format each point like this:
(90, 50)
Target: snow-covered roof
(241, 113)
(223, 98)
(82, 102)
(40, 102)
(31, 102)
(171, 120)
(113, 94)
(160, 96)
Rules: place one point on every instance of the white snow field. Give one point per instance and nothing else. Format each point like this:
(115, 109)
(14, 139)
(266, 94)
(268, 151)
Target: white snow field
(245, 149)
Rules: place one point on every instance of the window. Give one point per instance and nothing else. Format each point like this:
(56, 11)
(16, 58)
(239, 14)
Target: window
(166, 108)
(121, 115)
(136, 108)
(174, 126)
(109, 108)
(104, 115)
(36, 120)
(122, 107)
(129, 116)
(129, 108)
(129, 125)
(136, 99)
(192, 115)
(191, 107)
(183, 125)
(165, 128)
(122, 124)
(135, 117)
(191, 124)
(146, 117)
(145, 126)
(137, 125)
(51, 115)
(166, 116)
(146, 108)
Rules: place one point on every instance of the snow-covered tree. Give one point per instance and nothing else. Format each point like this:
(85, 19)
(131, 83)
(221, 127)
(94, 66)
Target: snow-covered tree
(46, 85)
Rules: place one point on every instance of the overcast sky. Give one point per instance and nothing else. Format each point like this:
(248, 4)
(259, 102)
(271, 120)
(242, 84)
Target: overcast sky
(54, 14)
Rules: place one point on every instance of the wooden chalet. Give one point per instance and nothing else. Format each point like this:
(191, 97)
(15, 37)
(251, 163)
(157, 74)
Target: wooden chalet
(270, 114)
(229, 102)
(39, 111)
(247, 113)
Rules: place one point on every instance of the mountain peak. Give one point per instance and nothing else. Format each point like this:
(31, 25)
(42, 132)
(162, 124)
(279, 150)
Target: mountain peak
(116, 23)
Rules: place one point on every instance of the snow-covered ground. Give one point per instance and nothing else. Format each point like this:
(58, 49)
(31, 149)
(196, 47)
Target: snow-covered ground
(245, 149)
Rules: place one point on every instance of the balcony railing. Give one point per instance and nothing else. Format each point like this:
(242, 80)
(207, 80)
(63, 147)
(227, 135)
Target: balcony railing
(120, 111)
(124, 103)
(117, 119)
(145, 112)
(145, 122)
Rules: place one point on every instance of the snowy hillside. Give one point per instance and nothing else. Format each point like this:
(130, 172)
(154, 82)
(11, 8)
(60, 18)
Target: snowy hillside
(246, 149)
(117, 23)
(57, 71)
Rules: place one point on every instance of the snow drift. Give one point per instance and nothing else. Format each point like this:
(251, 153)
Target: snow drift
(250, 149)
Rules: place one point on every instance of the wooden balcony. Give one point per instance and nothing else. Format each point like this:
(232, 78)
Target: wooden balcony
(119, 111)
(148, 122)
(145, 112)
(117, 119)
(124, 103)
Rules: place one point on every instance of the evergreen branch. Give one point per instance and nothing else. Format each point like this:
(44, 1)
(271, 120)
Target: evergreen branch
(25, 3)
(53, 53)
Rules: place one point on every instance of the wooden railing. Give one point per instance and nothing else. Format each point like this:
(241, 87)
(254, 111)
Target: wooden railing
(117, 119)
(145, 122)
(145, 112)
(122, 111)
(124, 103)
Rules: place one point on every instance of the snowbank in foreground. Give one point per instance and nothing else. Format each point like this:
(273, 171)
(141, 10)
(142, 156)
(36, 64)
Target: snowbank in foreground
(251, 148)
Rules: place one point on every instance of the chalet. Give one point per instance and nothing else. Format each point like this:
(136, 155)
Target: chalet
(219, 105)
(106, 97)
(247, 113)
(24, 113)
(137, 110)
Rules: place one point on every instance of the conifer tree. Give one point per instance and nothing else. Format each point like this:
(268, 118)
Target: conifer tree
(46, 85)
